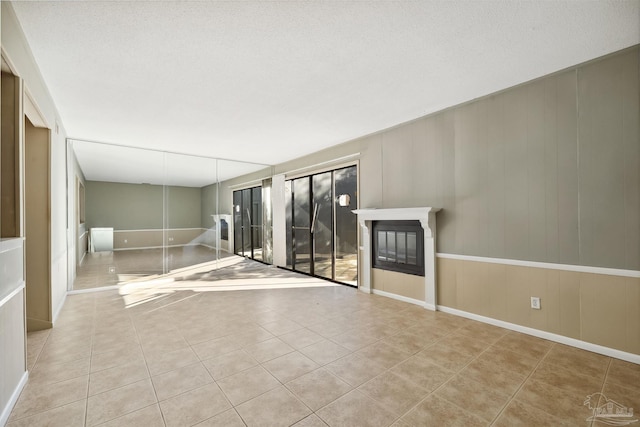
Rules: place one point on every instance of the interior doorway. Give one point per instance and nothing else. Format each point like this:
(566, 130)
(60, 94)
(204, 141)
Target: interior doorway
(322, 232)
(37, 226)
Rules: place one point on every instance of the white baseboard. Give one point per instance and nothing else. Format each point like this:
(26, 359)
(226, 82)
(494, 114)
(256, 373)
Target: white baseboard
(6, 411)
(595, 348)
(400, 298)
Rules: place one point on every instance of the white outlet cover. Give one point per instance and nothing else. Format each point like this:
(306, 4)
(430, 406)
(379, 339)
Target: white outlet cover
(535, 303)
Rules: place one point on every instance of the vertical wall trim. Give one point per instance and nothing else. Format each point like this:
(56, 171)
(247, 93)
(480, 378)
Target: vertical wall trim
(577, 124)
(279, 220)
(217, 211)
(382, 199)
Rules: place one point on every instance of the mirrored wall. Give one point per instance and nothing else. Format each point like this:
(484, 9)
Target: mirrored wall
(142, 215)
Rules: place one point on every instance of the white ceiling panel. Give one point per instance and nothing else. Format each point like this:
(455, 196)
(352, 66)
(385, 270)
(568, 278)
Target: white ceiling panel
(271, 81)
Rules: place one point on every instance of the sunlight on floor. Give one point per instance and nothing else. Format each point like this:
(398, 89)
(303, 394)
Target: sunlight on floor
(230, 274)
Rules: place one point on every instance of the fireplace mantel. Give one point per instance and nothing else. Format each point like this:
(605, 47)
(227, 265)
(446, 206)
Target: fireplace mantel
(427, 218)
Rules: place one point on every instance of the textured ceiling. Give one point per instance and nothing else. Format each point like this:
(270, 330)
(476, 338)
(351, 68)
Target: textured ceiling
(270, 81)
(112, 163)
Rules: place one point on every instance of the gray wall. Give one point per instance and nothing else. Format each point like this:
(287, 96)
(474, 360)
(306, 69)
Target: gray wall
(609, 161)
(140, 206)
(546, 171)
(184, 207)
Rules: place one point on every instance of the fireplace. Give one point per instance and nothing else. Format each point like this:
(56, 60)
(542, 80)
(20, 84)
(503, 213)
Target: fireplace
(398, 246)
(401, 240)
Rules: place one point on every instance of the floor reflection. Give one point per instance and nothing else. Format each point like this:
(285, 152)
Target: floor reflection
(101, 269)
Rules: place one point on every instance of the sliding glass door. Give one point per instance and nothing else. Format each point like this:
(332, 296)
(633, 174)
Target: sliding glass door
(301, 229)
(346, 226)
(321, 229)
(322, 225)
(247, 221)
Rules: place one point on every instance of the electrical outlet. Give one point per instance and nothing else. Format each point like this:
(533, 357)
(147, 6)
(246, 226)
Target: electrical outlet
(535, 303)
(171, 239)
(112, 269)
(125, 240)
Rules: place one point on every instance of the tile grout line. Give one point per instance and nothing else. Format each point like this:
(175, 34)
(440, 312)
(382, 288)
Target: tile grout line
(144, 357)
(186, 321)
(352, 352)
(35, 362)
(513, 396)
(432, 392)
(93, 330)
(604, 383)
(233, 406)
(401, 329)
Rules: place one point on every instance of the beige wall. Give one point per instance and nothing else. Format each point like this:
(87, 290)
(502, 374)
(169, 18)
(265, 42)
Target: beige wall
(405, 285)
(596, 308)
(37, 228)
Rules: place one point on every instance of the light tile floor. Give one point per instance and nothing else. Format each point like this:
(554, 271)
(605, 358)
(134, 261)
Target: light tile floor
(306, 357)
(100, 269)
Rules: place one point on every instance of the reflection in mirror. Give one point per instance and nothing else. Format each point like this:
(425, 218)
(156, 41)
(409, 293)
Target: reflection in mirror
(190, 231)
(249, 212)
(151, 215)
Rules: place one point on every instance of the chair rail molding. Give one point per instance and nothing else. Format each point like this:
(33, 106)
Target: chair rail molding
(427, 218)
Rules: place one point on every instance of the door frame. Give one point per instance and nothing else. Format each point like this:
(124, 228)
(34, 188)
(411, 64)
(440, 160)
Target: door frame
(309, 175)
(236, 241)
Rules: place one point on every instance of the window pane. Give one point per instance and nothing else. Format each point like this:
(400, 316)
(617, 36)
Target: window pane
(322, 225)
(301, 230)
(346, 234)
(411, 248)
(391, 246)
(382, 245)
(247, 218)
(237, 222)
(289, 222)
(401, 244)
